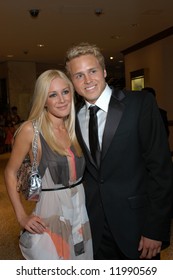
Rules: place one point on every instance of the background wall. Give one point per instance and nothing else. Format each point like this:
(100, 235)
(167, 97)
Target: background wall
(157, 61)
(21, 80)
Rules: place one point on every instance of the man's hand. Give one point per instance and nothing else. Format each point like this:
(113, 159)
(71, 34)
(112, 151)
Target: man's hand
(149, 248)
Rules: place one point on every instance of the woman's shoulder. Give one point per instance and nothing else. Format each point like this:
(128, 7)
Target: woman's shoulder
(23, 137)
(25, 129)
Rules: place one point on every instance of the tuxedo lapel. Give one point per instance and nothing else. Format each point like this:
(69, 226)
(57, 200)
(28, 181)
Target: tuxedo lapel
(114, 115)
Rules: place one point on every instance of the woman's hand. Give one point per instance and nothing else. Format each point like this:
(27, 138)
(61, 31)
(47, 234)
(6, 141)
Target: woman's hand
(33, 224)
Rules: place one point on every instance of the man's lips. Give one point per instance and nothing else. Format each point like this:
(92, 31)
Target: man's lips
(90, 88)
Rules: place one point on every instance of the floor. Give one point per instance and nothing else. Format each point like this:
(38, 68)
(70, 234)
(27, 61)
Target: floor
(9, 228)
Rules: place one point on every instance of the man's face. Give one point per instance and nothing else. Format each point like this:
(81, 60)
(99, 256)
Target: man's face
(87, 76)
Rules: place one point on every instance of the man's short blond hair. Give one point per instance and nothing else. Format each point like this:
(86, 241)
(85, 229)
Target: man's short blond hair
(84, 49)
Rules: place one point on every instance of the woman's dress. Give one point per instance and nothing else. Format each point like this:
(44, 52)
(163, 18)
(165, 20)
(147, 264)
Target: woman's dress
(67, 235)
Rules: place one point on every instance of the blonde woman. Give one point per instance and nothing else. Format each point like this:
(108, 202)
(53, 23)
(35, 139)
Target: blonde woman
(58, 227)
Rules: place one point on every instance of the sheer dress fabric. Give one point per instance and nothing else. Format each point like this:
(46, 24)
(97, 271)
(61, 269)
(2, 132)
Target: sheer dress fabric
(67, 235)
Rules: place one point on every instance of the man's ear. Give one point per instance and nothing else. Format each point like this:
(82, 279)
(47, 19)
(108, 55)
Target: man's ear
(105, 73)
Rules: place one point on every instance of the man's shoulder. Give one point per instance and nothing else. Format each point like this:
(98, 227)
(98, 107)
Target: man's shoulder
(120, 94)
(164, 112)
(139, 94)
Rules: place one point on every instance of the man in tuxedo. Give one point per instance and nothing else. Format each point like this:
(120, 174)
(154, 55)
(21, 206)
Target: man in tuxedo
(128, 184)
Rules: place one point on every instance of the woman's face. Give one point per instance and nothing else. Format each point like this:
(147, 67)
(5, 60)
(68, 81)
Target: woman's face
(58, 103)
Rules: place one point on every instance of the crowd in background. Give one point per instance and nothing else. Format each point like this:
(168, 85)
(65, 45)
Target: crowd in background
(9, 122)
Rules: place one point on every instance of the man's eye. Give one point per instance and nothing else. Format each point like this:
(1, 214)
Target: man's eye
(79, 76)
(93, 71)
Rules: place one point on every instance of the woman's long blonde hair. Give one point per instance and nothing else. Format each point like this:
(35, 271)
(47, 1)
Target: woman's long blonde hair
(38, 111)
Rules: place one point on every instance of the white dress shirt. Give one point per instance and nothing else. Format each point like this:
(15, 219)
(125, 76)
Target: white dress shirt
(83, 116)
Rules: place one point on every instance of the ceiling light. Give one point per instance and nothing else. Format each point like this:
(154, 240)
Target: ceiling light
(40, 45)
(117, 37)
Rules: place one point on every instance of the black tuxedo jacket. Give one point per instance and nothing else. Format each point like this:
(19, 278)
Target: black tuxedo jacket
(133, 186)
(165, 120)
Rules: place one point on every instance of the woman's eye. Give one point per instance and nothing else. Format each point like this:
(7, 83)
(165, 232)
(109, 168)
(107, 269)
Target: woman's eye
(52, 94)
(65, 92)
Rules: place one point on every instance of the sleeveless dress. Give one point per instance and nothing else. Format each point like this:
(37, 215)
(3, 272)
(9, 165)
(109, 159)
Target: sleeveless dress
(67, 235)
